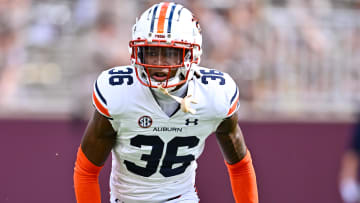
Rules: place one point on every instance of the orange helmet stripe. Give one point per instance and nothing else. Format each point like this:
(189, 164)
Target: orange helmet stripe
(161, 22)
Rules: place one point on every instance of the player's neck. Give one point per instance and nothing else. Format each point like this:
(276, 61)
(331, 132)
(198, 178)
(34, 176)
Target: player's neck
(167, 104)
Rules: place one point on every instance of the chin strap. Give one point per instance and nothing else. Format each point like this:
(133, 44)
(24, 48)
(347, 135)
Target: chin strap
(184, 102)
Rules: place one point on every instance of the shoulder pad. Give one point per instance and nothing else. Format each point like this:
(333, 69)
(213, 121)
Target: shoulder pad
(105, 84)
(223, 90)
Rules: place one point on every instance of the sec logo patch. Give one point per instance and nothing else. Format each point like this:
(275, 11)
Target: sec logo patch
(145, 121)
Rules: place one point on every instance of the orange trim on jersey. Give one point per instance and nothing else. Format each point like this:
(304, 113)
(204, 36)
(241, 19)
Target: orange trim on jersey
(100, 107)
(233, 107)
(161, 22)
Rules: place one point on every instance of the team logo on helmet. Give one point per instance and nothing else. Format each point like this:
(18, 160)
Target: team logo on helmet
(145, 121)
(197, 23)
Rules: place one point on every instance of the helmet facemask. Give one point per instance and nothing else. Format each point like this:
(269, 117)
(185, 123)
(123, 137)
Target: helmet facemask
(159, 63)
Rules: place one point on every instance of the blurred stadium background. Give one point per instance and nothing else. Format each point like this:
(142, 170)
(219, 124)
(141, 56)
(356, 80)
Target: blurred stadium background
(297, 64)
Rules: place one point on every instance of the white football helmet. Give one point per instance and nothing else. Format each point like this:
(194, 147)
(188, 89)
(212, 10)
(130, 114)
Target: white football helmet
(166, 26)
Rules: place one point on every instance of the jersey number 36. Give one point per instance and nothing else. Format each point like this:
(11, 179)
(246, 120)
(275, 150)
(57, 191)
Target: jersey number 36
(153, 159)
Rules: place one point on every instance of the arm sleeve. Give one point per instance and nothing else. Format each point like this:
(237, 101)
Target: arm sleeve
(243, 180)
(86, 183)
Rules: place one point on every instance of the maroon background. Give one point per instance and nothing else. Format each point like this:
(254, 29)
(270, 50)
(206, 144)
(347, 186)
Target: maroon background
(294, 162)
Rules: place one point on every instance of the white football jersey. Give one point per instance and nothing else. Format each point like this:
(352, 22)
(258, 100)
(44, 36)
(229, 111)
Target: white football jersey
(154, 158)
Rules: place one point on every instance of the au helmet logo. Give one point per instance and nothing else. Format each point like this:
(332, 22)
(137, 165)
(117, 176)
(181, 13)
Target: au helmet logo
(145, 121)
(196, 20)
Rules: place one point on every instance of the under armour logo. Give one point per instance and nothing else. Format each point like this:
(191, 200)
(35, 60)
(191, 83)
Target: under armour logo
(188, 121)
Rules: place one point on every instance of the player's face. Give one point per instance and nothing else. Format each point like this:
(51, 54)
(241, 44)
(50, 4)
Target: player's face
(162, 56)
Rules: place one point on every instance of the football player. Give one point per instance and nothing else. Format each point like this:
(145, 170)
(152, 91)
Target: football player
(155, 115)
